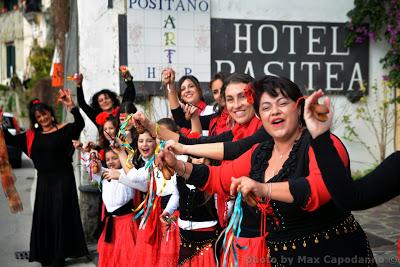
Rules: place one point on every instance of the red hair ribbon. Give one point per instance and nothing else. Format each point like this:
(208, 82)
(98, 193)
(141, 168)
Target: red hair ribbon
(249, 93)
(36, 101)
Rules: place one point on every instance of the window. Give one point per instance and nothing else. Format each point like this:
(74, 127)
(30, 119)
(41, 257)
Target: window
(10, 52)
(9, 4)
(33, 5)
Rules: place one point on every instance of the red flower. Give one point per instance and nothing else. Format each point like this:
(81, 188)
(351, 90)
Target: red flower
(249, 93)
(115, 111)
(102, 118)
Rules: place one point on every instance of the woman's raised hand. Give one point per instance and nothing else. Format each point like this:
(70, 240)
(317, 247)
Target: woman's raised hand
(315, 125)
(125, 74)
(190, 111)
(64, 96)
(168, 76)
(249, 188)
(140, 120)
(77, 78)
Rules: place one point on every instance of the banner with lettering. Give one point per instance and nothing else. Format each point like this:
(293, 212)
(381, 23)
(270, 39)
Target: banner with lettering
(312, 54)
(168, 34)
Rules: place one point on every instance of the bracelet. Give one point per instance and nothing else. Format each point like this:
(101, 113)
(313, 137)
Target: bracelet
(269, 192)
(184, 170)
(157, 130)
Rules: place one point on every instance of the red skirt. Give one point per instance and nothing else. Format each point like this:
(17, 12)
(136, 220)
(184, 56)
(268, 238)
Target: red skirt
(170, 243)
(120, 252)
(205, 258)
(255, 255)
(148, 240)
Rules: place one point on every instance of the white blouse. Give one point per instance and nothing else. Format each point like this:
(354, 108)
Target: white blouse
(113, 193)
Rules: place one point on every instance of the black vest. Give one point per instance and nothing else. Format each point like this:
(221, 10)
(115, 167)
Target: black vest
(193, 204)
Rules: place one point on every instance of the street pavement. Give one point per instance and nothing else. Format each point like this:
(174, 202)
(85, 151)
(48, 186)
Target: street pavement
(16, 228)
(382, 225)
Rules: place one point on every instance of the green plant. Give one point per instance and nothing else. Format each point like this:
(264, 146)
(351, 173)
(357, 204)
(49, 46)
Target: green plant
(361, 173)
(40, 59)
(378, 117)
(370, 19)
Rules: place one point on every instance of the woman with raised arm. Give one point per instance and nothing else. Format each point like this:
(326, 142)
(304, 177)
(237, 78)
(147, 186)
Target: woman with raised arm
(105, 101)
(377, 187)
(57, 231)
(283, 190)
(188, 92)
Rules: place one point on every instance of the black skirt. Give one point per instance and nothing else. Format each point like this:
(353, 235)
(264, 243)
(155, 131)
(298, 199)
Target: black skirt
(57, 231)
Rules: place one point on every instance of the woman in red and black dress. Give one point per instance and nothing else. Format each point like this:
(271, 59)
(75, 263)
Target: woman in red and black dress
(302, 221)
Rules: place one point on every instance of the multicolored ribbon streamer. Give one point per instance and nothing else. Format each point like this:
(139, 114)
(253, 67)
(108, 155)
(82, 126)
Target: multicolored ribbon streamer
(232, 232)
(122, 136)
(150, 202)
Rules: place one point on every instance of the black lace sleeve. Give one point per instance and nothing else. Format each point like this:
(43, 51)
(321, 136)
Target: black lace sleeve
(223, 137)
(233, 150)
(379, 186)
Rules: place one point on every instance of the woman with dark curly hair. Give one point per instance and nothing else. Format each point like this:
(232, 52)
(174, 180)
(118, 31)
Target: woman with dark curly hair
(105, 101)
(57, 231)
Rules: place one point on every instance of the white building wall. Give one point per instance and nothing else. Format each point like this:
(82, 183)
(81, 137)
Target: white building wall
(99, 58)
(98, 49)
(14, 27)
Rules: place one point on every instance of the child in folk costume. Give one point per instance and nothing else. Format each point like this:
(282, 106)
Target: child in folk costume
(198, 219)
(117, 241)
(160, 196)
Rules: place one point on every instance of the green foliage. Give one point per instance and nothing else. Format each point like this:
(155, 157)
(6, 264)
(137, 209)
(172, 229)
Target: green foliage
(378, 118)
(40, 59)
(361, 173)
(370, 19)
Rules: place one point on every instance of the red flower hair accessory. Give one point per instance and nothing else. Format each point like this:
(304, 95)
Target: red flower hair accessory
(36, 101)
(249, 93)
(102, 118)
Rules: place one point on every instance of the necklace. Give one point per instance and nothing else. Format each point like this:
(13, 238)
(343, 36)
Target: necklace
(50, 130)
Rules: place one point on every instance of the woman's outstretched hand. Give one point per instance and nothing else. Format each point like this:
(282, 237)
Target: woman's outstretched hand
(316, 126)
(175, 147)
(64, 96)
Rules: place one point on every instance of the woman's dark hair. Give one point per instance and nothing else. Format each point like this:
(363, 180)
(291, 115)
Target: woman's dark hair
(273, 85)
(196, 83)
(108, 149)
(170, 123)
(218, 76)
(127, 107)
(35, 105)
(222, 75)
(103, 141)
(236, 78)
(95, 103)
